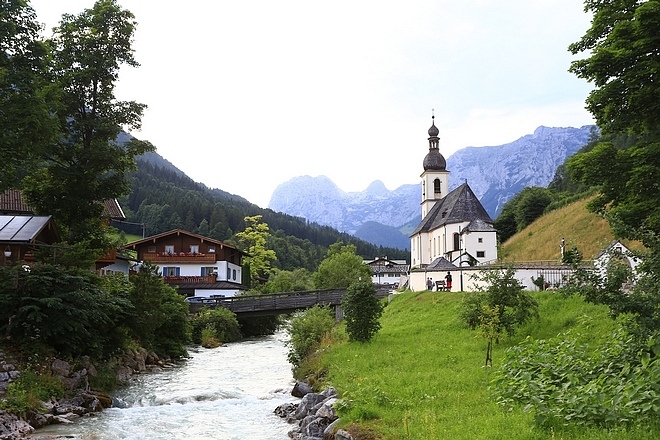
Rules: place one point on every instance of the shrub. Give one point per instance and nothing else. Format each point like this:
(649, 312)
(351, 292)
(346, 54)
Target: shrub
(29, 391)
(306, 330)
(362, 311)
(566, 382)
(220, 323)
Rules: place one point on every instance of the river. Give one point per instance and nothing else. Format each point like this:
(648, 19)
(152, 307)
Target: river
(226, 393)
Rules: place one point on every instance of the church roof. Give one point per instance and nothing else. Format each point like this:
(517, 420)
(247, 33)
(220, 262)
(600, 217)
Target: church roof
(479, 225)
(460, 205)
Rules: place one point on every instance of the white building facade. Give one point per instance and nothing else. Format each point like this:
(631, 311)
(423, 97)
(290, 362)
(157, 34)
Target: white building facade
(455, 226)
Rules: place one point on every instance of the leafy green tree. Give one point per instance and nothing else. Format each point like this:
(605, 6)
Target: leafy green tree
(623, 42)
(340, 268)
(289, 281)
(362, 311)
(506, 222)
(519, 212)
(160, 315)
(253, 239)
(498, 291)
(87, 164)
(27, 96)
(623, 62)
(623, 65)
(531, 205)
(71, 311)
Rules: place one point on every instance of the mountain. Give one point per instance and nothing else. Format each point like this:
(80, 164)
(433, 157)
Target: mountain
(495, 174)
(319, 200)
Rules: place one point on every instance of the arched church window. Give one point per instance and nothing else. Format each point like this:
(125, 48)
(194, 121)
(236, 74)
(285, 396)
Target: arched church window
(436, 186)
(457, 241)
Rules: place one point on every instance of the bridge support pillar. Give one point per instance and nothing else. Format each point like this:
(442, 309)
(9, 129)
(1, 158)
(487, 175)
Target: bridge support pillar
(339, 313)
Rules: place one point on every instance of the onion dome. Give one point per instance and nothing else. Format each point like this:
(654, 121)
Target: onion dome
(433, 131)
(434, 161)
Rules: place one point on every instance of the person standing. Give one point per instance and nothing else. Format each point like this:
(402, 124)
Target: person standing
(429, 284)
(448, 281)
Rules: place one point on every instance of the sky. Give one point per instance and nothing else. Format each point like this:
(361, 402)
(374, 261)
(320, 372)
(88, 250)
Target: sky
(246, 95)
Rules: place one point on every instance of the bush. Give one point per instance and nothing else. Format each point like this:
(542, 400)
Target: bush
(566, 382)
(220, 324)
(362, 311)
(29, 391)
(306, 330)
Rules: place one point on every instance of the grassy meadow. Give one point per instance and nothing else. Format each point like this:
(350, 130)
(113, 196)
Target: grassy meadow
(589, 232)
(423, 375)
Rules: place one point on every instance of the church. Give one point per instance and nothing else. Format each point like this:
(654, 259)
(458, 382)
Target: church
(455, 231)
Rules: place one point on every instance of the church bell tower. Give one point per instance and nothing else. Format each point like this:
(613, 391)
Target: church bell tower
(435, 178)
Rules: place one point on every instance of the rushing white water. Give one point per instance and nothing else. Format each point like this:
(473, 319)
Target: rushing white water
(227, 393)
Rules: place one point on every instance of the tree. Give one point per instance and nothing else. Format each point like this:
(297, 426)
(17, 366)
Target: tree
(73, 311)
(623, 65)
(160, 315)
(500, 303)
(623, 39)
(340, 268)
(27, 96)
(532, 202)
(362, 311)
(624, 60)
(289, 281)
(253, 239)
(87, 164)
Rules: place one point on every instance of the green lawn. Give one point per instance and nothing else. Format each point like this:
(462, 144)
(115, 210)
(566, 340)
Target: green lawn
(423, 375)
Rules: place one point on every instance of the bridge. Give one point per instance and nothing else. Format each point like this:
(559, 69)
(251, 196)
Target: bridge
(282, 303)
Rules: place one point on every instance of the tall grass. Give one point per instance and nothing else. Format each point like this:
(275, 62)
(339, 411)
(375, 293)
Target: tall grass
(423, 374)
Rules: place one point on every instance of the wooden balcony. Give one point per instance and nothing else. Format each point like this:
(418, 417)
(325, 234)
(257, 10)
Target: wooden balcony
(179, 257)
(190, 279)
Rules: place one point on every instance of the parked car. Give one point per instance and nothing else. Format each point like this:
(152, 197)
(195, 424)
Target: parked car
(199, 300)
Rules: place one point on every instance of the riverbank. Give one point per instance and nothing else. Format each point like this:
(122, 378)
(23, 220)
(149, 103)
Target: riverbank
(24, 414)
(423, 374)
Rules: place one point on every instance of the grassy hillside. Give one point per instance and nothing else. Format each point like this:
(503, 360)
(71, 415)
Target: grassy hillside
(541, 240)
(423, 375)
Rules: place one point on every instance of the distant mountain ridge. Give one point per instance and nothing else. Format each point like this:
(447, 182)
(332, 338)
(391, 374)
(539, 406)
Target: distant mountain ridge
(498, 173)
(495, 174)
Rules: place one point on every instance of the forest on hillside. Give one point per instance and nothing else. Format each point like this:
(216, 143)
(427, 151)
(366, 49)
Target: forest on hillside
(163, 199)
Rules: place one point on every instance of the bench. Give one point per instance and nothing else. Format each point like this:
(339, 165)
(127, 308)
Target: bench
(440, 286)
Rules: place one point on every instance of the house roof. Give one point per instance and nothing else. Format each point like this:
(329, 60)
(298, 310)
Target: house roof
(610, 248)
(398, 268)
(112, 209)
(153, 238)
(25, 228)
(460, 205)
(12, 202)
(441, 263)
